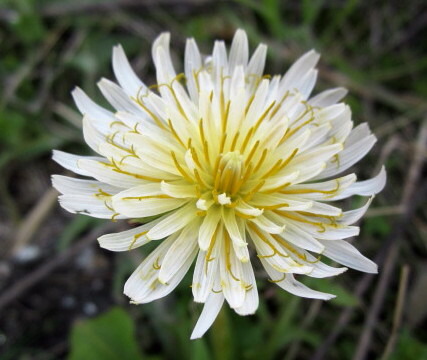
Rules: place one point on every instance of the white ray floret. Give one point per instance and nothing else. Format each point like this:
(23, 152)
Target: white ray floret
(215, 163)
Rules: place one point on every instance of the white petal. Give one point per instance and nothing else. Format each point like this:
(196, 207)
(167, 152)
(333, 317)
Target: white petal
(306, 83)
(230, 223)
(289, 204)
(207, 317)
(320, 208)
(182, 249)
(301, 67)
(274, 254)
(93, 137)
(239, 51)
(275, 182)
(231, 275)
(251, 302)
(352, 216)
(103, 171)
(321, 270)
(206, 271)
(69, 161)
(308, 171)
(219, 57)
(142, 123)
(299, 289)
(353, 151)
(360, 132)
(87, 107)
(246, 209)
(265, 224)
(174, 222)
(341, 125)
(143, 285)
(344, 253)
(89, 205)
(331, 112)
(178, 190)
(300, 238)
(145, 200)
(117, 97)
(208, 227)
(326, 190)
(138, 284)
(162, 59)
(328, 97)
(315, 156)
(242, 252)
(257, 108)
(288, 283)
(366, 188)
(125, 75)
(257, 62)
(193, 64)
(315, 228)
(71, 186)
(128, 239)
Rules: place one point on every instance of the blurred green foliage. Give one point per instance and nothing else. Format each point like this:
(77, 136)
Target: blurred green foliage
(108, 337)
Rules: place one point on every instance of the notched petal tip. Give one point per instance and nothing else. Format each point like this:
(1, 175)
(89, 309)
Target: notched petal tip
(103, 82)
(54, 179)
(382, 179)
(118, 47)
(371, 268)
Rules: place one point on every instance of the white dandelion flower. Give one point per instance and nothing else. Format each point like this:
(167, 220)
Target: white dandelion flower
(217, 163)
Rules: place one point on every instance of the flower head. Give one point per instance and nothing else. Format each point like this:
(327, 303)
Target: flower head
(217, 163)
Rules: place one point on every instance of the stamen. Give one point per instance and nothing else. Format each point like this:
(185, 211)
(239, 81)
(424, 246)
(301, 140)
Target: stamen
(288, 247)
(288, 160)
(156, 265)
(246, 140)
(136, 237)
(248, 105)
(279, 280)
(221, 146)
(227, 243)
(261, 160)
(224, 118)
(251, 154)
(180, 169)
(202, 184)
(273, 169)
(153, 116)
(116, 168)
(147, 197)
(113, 217)
(279, 105)
(276, 189)
(174, 133)
(244, 216)
(241, 181)
(195, 156)
(289, 132)
(208, 257)
(119, 123)
(233, 144)
(102, 193)
(264, 239)
(309, 191)
(263, 116)
(254, 190)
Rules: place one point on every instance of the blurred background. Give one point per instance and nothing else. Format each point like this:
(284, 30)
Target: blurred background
(61, 295)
